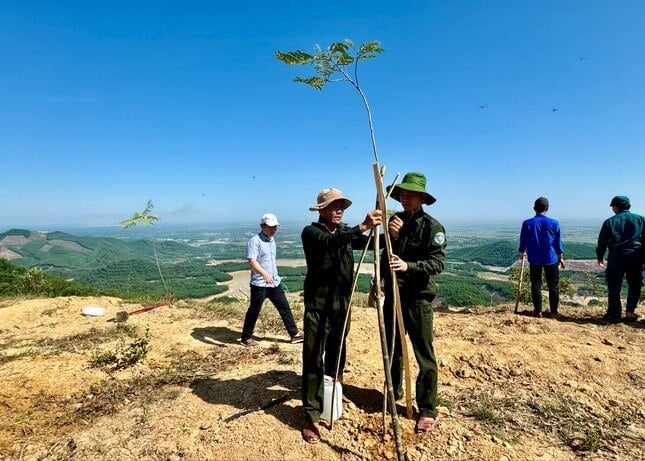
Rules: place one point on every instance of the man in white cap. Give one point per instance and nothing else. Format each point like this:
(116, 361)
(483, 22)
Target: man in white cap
(265, 282)
(328, 245)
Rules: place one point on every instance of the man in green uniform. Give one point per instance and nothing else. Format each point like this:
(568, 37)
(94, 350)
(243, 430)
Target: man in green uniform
(624, 235)
(418, 253)
(328, 245)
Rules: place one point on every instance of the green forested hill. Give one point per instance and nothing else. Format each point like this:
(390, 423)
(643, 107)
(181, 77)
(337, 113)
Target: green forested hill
(127, 267)
(504, 253)
(500, 253)
(579, 251)
(120, 266)
(187, 279)
(18, 281)
(60, 252)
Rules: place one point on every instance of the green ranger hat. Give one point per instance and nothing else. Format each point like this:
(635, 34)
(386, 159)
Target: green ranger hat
(415, 182)
(620, 201)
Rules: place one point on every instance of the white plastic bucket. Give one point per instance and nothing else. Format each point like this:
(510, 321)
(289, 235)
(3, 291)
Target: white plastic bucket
(93, 311)
(328, 384)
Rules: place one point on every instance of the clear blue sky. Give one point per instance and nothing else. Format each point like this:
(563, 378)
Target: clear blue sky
(104, 105)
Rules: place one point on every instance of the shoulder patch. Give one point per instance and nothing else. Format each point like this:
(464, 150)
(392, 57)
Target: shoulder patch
(439, 238)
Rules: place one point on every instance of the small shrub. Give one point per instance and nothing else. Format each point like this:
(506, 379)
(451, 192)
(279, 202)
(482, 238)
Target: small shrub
(123, 356)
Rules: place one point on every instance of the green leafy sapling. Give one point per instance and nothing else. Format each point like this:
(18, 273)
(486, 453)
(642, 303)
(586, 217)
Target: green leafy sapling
(147, 219)
(339, 62)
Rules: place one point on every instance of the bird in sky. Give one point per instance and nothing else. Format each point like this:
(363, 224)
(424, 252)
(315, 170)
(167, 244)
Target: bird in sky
(554, 109)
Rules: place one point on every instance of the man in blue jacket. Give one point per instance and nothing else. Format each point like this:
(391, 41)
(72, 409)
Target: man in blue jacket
(624, 236)
(540, 240)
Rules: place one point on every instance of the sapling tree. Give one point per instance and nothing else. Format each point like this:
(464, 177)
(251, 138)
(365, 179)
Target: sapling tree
(146, 219)
(338, 63)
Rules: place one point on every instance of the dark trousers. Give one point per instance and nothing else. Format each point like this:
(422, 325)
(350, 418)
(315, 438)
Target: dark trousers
(617, 268)
(319, 353)
(418, 321)
(278, 298)
(552, 276)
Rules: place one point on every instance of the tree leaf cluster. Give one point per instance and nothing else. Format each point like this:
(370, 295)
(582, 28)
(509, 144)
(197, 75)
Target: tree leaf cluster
(144, 217)
(331, 62)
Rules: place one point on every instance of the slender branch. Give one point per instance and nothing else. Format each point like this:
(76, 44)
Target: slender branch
(154, 249)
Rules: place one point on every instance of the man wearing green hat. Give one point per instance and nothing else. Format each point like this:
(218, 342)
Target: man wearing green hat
(418, 253)
(624, 236)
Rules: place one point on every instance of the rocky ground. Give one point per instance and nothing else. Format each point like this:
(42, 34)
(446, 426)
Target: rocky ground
(512, 387)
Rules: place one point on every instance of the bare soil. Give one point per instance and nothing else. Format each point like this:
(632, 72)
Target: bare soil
(512, 387)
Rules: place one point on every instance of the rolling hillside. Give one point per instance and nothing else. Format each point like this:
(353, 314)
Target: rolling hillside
(60, 252)
(504, 253)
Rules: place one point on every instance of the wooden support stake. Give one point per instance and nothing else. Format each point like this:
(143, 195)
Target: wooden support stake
(395, 292)
(384, 347)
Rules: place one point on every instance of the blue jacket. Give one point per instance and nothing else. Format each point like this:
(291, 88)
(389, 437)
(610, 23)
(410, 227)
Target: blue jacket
(540, 239)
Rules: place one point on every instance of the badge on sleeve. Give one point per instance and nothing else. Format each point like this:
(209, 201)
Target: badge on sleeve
(439, 238)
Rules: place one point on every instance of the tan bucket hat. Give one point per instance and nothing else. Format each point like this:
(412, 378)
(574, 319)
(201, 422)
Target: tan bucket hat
(327, 196)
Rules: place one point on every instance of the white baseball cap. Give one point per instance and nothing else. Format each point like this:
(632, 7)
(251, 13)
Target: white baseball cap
(270, 220)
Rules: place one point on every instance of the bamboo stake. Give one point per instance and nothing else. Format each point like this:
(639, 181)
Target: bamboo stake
(384, 347)
(519, 287)
(395, 294)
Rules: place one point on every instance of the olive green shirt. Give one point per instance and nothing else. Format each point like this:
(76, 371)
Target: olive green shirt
(330, 264)
(622, 234)
(421, 243)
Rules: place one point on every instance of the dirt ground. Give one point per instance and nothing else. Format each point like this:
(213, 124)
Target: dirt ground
(512, 387)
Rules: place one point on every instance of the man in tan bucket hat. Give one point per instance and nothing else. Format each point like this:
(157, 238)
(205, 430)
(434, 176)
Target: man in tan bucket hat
(328, 245)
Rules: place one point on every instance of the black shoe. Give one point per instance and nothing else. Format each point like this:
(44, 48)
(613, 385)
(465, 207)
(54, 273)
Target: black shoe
(611, 318)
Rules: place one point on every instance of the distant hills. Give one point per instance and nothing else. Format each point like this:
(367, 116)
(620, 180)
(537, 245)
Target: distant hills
(127, 266)
(504, 253)
(112, 264)
(60, 252)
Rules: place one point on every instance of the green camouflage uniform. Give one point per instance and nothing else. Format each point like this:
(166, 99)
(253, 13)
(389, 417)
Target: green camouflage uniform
(328, 285)
(624, 236)
(421, 243)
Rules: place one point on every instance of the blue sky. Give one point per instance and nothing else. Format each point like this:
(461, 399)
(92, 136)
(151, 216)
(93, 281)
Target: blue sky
(104, 105)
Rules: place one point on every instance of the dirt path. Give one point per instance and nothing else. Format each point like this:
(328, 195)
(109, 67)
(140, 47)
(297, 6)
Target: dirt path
(512, 388)
(239, 286)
